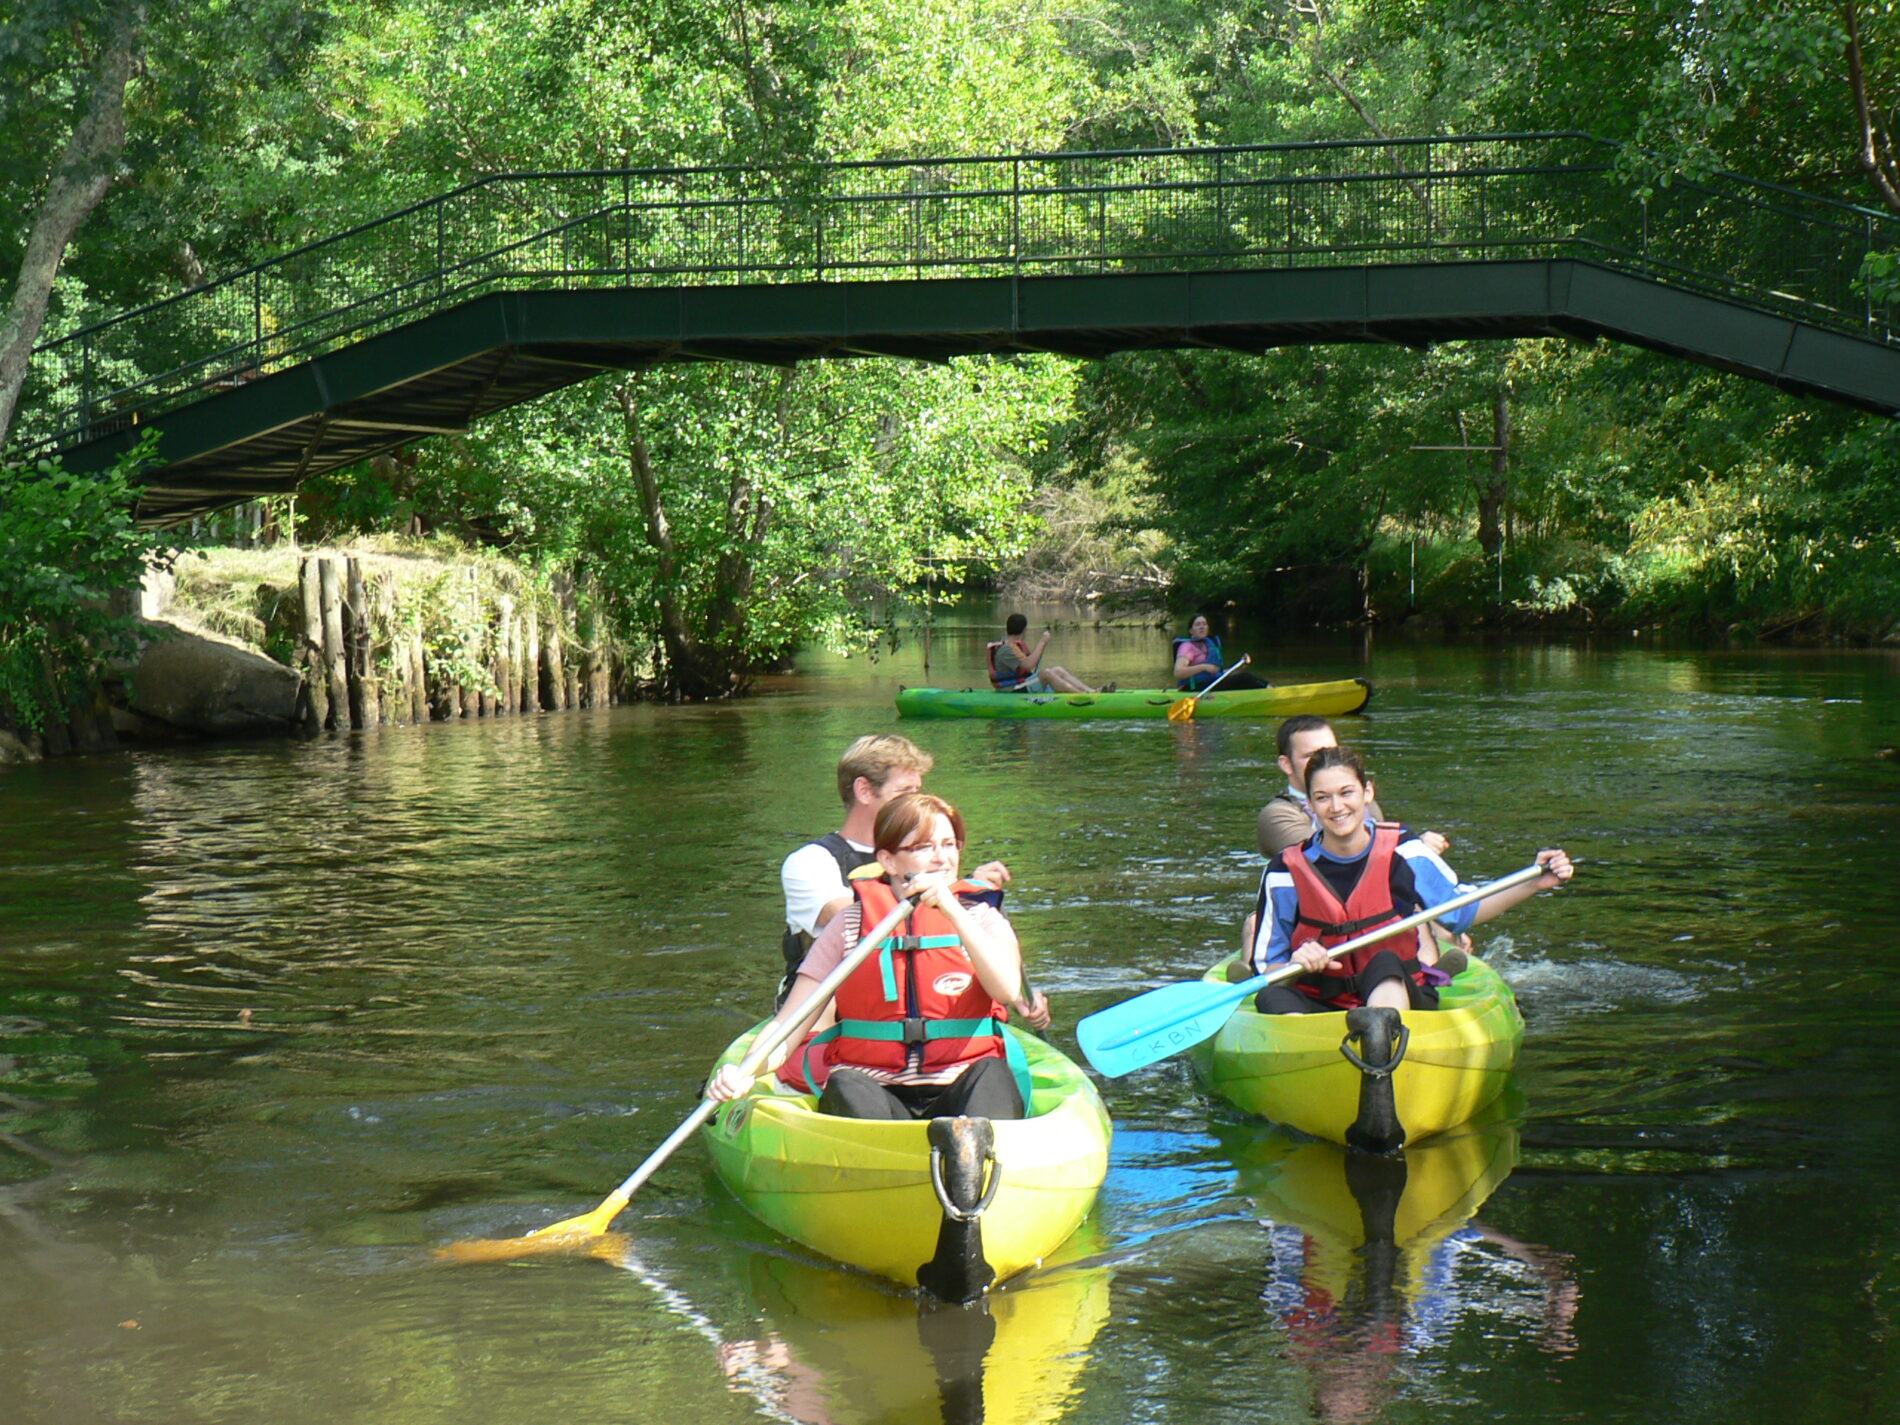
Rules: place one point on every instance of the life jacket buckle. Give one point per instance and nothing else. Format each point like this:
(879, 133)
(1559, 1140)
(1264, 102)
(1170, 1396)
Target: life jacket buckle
(914, 1032)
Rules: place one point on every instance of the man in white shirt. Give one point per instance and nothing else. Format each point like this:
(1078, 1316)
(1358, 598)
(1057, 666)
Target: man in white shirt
(875, 769)
(1286, 820)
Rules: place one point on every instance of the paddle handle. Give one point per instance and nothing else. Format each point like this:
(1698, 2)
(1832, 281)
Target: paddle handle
(773, 1035)
(1245, 659)
(1291, 971)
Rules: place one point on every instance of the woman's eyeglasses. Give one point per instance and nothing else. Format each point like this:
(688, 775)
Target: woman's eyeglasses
(944, 847)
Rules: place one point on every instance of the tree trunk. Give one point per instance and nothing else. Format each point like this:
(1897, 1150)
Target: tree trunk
(79, 181)
(334, 651)
(310, 662)
(747, 514)
(1875, 150)
(694, 669)
(366, 708)
(1494, 493)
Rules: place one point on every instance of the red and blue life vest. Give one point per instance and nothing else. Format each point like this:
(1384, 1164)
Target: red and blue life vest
(1330, 921)
(916, 1003)
(1004, 682)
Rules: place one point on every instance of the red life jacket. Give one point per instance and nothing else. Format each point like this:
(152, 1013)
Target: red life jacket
(1002, 682)
(1323, 917)
(919, 992)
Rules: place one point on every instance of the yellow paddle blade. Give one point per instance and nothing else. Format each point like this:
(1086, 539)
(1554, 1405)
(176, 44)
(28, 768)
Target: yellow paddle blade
(608, 1246)
(1182, 711)
(586, 1233)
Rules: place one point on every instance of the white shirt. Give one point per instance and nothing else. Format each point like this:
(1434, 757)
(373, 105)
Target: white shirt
(812, 882)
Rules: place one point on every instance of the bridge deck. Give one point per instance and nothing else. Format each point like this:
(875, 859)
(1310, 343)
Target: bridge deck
(425, 321)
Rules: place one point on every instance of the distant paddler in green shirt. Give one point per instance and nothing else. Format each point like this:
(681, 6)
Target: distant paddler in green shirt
(1015, 667)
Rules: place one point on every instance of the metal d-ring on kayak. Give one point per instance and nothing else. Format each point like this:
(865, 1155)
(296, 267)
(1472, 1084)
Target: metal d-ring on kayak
(990, 1179)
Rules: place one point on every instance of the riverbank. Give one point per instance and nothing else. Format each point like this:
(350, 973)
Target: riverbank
(300, 641)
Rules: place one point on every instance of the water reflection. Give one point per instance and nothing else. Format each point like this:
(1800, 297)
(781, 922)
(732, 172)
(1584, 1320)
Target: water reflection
(276, 1019)
(1375, 1260)
(824, 1346)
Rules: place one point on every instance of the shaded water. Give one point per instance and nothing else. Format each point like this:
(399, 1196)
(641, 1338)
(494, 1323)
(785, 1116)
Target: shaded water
(276, 1019)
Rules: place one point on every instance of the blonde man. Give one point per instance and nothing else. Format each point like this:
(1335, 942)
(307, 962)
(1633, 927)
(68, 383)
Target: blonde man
(876, 769)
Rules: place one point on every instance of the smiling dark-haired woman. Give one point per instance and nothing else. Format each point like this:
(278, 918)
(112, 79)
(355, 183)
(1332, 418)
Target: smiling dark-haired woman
(1351, 876)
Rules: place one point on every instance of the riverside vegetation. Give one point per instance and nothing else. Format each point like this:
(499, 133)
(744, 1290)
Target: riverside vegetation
(725, 515)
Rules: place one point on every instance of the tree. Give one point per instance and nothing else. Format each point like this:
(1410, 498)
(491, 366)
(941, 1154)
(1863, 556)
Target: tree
(728, 514)
(68, 543)
(85, 55)
(169, 113)
(1873, 33)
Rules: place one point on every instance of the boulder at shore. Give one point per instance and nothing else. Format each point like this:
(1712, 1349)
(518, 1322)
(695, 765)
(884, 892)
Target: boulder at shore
(202, 683)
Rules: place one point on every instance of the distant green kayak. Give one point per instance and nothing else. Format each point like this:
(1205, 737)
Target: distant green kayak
(1346, 695)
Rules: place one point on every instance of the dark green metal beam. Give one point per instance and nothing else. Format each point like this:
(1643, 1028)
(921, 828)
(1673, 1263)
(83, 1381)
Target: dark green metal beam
(452, 367)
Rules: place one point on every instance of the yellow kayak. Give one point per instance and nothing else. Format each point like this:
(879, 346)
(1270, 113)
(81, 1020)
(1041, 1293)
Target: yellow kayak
(1289, 1068)
(861, 1191)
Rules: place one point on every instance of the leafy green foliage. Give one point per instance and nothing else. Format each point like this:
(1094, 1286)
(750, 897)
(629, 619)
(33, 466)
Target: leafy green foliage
(797, 502)
(68, 545)
(793, 502)
(859, 478)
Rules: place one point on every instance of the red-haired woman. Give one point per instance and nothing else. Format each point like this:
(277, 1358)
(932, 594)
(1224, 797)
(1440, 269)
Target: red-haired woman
(918, 1026)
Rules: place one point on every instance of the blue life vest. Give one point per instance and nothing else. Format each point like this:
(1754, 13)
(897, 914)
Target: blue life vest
(1214, 656)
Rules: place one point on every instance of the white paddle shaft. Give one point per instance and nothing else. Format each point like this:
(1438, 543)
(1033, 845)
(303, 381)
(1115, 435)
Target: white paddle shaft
(1292, 971)
(773, 1035)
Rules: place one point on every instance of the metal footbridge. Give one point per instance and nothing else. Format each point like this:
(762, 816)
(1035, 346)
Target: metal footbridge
(426, 320)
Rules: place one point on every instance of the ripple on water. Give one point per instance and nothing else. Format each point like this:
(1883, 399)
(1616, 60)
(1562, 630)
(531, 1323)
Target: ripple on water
(278, 1018)
(1556, 990)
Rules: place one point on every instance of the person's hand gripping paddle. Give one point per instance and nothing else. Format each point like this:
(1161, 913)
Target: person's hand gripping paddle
(1182, 709)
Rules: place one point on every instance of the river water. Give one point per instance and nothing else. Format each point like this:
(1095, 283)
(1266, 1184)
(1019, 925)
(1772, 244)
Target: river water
(276, 1019)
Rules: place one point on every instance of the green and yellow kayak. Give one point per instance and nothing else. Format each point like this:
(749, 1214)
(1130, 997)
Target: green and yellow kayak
(1335, 699)
(861, 1192)
(1288, 1067)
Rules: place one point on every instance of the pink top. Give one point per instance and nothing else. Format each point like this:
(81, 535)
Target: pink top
(1194, 650)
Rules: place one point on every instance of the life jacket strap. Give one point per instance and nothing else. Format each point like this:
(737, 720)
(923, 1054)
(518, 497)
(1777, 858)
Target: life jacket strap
(913, 1031)
(1348, 928)
(888, 971)
(918, 942)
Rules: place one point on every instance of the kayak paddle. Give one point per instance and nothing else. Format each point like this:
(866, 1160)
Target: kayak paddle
(579, 1233)
(1182, 710)
(1138, 1032)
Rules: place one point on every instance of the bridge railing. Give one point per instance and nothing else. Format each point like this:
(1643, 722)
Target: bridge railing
(1269, 206)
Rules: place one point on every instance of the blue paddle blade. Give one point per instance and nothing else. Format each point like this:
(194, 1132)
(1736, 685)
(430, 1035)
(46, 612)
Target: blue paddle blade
(1148, 1027)
(1138, 1032)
